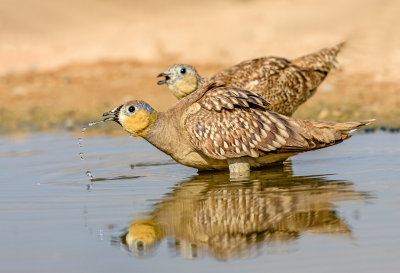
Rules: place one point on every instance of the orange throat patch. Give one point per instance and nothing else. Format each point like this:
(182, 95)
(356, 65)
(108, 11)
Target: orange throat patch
(139, 123)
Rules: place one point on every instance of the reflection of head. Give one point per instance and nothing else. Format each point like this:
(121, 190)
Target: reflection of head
(142, 237)
(210, 215)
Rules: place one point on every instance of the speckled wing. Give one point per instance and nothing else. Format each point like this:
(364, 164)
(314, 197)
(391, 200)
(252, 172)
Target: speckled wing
(285, 85)
(251, 72)
(222, 98)
(228, 122)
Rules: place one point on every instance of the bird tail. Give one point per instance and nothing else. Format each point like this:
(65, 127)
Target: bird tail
(323, 60)
(328, 133)
(351, 126)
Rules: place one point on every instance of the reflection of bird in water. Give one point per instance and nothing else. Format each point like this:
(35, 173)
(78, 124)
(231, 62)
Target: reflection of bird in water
(209, 214)
(221, 127)
(285, 84)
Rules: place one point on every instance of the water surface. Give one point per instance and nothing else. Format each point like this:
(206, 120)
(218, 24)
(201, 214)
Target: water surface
(335, 209)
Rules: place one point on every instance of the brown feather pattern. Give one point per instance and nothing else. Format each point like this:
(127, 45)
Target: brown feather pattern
(285, 84)
(228, 100)
(279, 81)
(248, 128)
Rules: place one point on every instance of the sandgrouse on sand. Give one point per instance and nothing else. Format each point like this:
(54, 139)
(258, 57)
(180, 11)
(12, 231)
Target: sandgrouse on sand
(285, 84)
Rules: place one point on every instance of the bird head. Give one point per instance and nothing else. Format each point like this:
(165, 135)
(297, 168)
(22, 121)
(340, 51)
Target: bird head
(142, 237)
(135, 116)
(182, 79)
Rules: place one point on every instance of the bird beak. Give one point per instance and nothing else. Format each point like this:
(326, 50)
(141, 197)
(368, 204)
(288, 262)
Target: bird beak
(114, 112)
(163, 81)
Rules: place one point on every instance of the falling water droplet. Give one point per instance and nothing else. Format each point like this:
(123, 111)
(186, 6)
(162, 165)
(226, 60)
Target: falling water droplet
(80, 140)
(88, 173)
(89, 187)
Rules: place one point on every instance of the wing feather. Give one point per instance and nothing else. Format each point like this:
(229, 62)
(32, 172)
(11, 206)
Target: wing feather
(284, 84)
(232, 123)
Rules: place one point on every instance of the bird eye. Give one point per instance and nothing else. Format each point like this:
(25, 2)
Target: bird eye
(131, 109)
(182, 71)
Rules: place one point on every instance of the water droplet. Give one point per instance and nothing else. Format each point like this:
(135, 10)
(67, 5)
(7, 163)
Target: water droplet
(80, 142)
(90, 124)
(132, 166)
(88, 173)
(81, 155)
(89, 187)
(94, 123)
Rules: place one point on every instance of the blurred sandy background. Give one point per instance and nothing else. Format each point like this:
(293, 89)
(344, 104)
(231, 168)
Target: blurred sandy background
(65, 62)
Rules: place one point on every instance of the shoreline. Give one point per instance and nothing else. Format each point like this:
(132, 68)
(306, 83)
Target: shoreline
(73, 95)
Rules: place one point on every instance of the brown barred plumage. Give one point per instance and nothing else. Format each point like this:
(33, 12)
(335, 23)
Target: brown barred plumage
(219, 127)
(223, 131)
(283, 83)
(210, 215)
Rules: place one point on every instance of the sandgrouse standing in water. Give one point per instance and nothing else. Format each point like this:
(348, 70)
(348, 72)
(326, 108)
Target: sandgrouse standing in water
(219, 127)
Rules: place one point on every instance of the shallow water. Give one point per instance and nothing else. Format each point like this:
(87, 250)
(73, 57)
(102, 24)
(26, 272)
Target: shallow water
(336, 209)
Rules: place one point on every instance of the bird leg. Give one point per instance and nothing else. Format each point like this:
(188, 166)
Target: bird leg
(238, 168)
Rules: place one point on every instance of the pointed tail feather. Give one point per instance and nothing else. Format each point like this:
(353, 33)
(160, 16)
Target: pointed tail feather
(309, 135)
(324, 133)
(323, 60)
(351, 126)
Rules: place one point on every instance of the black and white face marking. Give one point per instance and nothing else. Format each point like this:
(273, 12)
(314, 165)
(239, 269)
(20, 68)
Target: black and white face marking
(114, 113)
